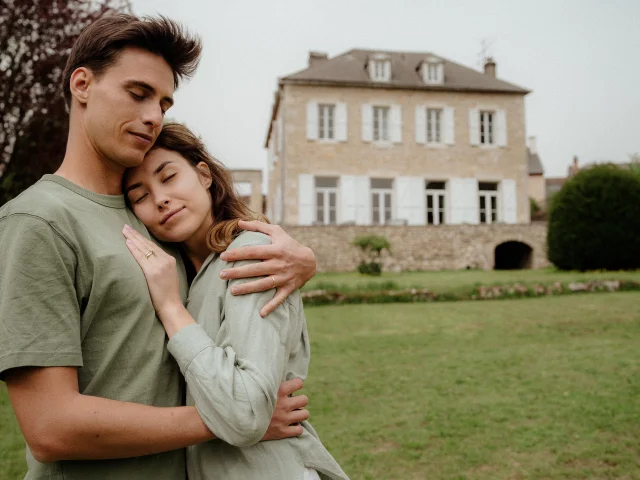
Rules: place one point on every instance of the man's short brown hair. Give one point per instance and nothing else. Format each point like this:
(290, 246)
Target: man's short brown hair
(99, 45)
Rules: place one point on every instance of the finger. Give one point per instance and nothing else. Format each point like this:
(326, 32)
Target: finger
(297, 402)
(137, 254)
(261, 285)
(259, 269)
(298, 416)
(250, 252)
(147, 245)
(280, 296)
(292, 431)
(258, 226)
(289, 387)
(137, 242)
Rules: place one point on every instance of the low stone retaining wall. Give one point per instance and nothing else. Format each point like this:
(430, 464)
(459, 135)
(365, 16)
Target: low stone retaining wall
(442, 247)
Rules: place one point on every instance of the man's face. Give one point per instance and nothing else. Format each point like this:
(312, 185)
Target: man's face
(125, 106)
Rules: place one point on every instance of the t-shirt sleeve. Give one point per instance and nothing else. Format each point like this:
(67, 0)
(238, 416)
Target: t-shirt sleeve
(39, 311)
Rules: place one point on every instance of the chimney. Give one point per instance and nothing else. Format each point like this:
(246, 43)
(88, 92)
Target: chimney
(490, 67)
(316, 58)
(533, 145)
(574, 168)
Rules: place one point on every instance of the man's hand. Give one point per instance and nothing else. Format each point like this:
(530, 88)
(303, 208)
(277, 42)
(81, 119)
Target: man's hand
(286, 264)
(289, 412)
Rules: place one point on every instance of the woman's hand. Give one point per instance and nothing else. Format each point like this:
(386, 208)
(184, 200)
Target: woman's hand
(159, 269)
(286, 264)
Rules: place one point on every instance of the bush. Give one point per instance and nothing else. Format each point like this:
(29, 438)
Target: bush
(594, 221)
(372, 247)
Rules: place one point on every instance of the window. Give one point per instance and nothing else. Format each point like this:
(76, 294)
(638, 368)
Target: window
(486, 128)
(434, 125)
(488, 202)
(436, 205)
(326, 121)
(432, 72)
(326, 200)
(381, 124)
(381, 191)
(380, 70)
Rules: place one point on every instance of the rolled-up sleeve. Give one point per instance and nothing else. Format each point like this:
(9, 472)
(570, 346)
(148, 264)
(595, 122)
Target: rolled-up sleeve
(234, 377)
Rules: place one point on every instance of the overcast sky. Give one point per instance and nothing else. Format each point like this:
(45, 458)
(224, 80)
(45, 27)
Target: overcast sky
(581, 59)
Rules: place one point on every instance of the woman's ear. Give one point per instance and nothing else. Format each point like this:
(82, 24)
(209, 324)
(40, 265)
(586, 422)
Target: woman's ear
(205, 174)
(79, 84)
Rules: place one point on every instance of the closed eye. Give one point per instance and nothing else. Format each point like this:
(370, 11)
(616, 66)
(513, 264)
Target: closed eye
(168, 178)
(140, 199)
(136, 96)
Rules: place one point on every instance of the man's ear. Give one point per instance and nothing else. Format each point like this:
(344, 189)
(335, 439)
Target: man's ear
(80, 83)
(205, 174)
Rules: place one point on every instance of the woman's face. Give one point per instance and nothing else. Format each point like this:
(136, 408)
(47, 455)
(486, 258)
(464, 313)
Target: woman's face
(170, 196)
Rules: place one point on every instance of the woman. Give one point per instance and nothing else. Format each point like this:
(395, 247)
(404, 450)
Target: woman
(233, 360)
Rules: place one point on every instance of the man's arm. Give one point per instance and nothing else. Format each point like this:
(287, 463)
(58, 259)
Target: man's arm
(59, 423)
(286, 264)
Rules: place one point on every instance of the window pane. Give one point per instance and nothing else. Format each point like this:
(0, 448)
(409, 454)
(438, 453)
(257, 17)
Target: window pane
(332, 215)
(330, 114)
(328, 182)
(490, 186)
(435, 185)
(437, 125)
(493, 203)
(494, 216)
(376, 218)
(332, 200)
(430, 218)
(374, 200)
(482, 217)
(482, 202)
(381, 183)
(441, 207)
(320, 121)
(429, 201)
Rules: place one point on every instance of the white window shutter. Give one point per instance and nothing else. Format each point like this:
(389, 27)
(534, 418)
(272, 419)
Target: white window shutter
(421, 124)
(306, 199)
(312, 121)
(341, 122)
(474, 126)
(348, 200)
(367, 122)
(509, 201)
(440, 73)
(396, 123)
(463, 198)
(410, 199)
(449, 126)
(362, 189)
(501, 128)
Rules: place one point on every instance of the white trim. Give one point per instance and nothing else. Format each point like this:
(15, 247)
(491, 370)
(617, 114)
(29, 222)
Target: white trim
(312, 121)
(341, 122)
(306, 199)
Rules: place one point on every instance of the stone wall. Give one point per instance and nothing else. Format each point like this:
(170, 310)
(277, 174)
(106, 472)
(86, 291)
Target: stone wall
(449, 247)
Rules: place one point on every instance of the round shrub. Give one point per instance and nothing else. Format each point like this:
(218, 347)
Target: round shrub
(594, 221)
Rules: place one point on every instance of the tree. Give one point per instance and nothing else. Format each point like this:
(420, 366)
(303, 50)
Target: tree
(594, 221)
(371, 247)
(36, 37)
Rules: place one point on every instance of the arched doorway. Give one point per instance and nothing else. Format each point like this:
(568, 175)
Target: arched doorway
(512, 256)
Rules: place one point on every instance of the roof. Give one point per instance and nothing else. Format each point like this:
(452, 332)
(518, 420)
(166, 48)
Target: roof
(534, 164)
(349, 69)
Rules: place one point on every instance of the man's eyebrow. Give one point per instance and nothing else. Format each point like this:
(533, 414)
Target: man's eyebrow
(148, 88)
(162, 165)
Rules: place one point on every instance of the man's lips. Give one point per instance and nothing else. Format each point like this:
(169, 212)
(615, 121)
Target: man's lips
(170, 214)
(142, 136)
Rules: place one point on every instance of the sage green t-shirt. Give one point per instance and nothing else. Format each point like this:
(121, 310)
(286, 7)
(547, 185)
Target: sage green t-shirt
(71, 294)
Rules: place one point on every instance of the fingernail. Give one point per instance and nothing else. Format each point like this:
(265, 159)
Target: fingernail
(127, 227)
(223, 274)
(223, 255)
(234, 291)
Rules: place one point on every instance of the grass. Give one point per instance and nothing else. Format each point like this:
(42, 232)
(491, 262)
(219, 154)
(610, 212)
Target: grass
(544, 388)
(455, 281)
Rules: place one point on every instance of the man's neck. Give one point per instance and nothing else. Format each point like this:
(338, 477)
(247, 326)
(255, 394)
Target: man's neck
(85, 167)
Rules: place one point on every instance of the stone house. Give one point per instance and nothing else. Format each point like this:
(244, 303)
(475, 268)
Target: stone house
(372, 137)
(377, 139)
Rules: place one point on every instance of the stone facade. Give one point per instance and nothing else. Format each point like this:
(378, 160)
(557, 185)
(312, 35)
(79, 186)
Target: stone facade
(298, 155)
(423, 247)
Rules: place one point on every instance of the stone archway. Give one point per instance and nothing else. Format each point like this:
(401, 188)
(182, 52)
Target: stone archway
(513, 255)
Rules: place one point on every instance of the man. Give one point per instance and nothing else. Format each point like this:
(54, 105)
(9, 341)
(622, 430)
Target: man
(81, 351)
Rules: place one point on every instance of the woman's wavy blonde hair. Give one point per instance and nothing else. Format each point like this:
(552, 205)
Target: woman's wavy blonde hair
(226, 207)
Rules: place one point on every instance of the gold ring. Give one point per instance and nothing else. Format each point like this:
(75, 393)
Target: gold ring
(148, 254)
(274, 281)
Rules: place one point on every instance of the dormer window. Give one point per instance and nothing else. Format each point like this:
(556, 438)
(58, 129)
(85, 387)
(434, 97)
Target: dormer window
(433, 71)
(380, 68)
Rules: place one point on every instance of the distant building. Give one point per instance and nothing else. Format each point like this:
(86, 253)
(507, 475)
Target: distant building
(376, 137)
(536, 186)
(248, 185)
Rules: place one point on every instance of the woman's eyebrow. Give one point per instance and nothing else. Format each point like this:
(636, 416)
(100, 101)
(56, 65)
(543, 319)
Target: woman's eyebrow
(162, 165)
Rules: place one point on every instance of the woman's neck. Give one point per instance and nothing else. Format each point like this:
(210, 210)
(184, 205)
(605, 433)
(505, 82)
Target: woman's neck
(195, 247)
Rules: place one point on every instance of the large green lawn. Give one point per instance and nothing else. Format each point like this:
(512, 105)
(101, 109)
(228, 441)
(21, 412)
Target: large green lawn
(544, 388)
(458, 281)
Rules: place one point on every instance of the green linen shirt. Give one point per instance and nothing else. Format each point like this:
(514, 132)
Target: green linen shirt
(71, 294)
(234, 361)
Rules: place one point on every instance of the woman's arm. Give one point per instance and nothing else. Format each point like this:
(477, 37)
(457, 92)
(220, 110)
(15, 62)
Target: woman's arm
(235, 388)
